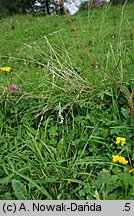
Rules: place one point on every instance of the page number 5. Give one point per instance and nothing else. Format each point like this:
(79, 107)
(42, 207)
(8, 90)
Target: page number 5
(127, 207)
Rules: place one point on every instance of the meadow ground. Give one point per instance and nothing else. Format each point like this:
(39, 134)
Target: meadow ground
(60, 121)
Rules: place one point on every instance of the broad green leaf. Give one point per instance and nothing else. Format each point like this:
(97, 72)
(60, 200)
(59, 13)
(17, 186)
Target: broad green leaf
(104, 177)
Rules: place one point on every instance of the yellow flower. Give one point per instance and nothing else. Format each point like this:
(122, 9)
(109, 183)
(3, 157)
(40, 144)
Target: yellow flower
(121, 140)
(118, 140)
(115, 158)
(120, 159)
(125, 162)
(131, 170)
(6, 69)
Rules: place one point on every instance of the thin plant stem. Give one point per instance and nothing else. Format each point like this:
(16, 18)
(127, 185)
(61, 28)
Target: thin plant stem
(91, 58)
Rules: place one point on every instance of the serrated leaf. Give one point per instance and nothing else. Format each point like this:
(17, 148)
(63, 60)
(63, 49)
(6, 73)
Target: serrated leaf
(19, 189)
(126, 180)
(104, 177)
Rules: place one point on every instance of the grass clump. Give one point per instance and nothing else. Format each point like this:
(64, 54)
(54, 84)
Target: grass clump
(60, 123)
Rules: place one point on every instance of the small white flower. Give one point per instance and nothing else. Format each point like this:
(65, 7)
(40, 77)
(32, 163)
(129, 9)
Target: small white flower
(60, 114)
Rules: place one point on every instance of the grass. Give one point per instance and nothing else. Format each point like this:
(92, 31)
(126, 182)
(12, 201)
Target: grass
(58, 130)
